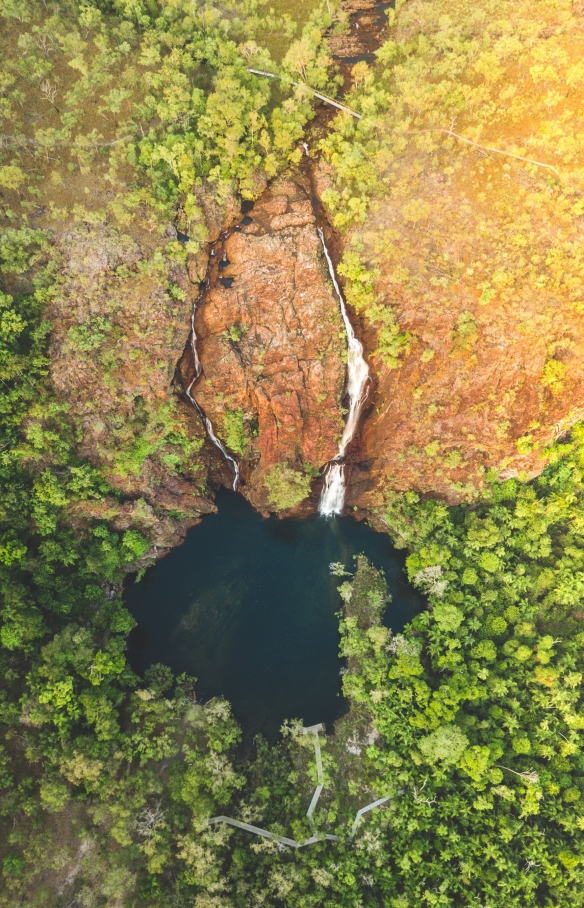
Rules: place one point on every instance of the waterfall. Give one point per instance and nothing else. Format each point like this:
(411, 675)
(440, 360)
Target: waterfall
(332, 498)
(198, 367)
(232, 463)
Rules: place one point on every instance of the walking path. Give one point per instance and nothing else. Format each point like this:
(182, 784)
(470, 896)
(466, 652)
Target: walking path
(317, 94)
(314, 730)
(292, 843)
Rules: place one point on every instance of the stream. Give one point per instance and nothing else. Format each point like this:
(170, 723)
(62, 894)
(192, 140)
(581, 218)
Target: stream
(248, 606)
(197, 366)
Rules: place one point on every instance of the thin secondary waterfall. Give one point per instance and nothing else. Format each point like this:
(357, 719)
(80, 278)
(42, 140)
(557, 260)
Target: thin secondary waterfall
(231, 462)
(332, 499)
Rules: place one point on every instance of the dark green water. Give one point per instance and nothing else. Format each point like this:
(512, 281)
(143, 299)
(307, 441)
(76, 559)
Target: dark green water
(247, 606)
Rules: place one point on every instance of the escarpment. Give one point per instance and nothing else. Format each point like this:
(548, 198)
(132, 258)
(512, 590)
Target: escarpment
(117, 328)
(270, 341)
(475, 253)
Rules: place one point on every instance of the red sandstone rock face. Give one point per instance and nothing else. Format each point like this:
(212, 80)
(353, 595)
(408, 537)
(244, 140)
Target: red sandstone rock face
(362, 35)
(272, 344)
(272, 347)
(437, 427)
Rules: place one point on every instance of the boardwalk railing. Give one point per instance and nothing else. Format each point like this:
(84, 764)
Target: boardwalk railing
(317, 94)
(317, 837)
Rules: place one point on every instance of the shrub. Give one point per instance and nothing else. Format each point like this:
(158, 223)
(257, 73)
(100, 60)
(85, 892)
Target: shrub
(521, 744)
(485, 650)
(489, 562)
(159, 677)
(286, 486)
(134, 544)
(13, 865)
(448, 617)
(446, 745)
(234, 426)
(91, 335)
(54, 795)
(497, 626)
(523, 653)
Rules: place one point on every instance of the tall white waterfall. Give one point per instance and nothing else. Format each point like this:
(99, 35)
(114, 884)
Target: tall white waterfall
(332, 498)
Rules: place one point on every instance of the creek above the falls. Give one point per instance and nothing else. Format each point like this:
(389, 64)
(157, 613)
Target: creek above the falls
(247, 605)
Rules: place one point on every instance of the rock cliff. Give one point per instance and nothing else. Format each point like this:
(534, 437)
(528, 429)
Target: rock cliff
(118, 327)
(271, 341)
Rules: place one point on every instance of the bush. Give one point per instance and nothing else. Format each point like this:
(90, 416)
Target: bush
(446, 745)
(13, 865)
(54, 795)
(286, 486)
(234, 427)
(159, 678)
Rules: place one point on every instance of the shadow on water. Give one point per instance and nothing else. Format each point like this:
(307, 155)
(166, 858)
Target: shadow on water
(247, 605)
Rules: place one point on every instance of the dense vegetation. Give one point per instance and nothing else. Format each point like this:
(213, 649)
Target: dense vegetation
(464, 110)
(470, 720)
(77, 746)
(156, 98)
(113, 115)
(460, 193)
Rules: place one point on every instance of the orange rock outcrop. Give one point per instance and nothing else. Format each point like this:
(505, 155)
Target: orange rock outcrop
(271, 340)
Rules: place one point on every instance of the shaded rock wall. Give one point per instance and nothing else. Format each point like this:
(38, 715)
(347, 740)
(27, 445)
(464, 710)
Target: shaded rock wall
(117, 334)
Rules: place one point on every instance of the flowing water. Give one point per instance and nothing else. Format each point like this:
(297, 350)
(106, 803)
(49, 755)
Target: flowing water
(231, 461)
(367, 28)
(248, 606)
(332, 499)
(198, 370)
